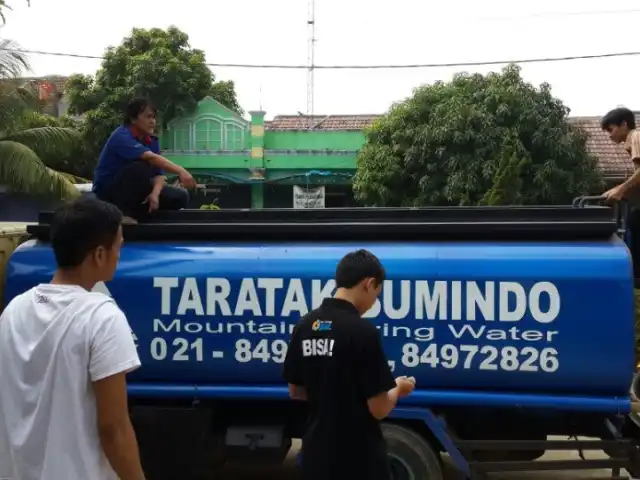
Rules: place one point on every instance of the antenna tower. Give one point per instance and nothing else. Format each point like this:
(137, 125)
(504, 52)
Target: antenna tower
(311, 47)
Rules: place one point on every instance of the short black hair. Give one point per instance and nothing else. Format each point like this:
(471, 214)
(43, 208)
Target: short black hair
(356, 266)
(135, 107)
(617, 117)
(81, 226)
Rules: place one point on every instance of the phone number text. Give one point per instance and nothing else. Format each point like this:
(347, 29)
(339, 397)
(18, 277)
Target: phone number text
(484, 358)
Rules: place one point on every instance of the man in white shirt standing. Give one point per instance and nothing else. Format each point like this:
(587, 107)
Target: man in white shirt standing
(64, 354)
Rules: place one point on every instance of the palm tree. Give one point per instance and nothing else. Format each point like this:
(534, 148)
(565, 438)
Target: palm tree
(21, 167)
(4, 6)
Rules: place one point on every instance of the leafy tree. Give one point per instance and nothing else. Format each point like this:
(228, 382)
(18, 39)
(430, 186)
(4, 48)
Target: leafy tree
(477, 140)
(224, 92)
(34, 119)
(22, 149)
(14, 100)
(156, 63)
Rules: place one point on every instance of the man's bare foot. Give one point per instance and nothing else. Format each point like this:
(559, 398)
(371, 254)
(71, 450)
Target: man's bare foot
(129, 221)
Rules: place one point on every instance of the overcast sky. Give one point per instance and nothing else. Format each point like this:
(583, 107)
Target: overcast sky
(356, 32)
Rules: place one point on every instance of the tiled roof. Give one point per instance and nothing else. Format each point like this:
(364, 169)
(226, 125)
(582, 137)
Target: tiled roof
(58, 81)
(612, 158)
(320, 122)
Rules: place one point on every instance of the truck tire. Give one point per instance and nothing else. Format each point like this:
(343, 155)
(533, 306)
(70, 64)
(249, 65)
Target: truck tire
(411, 457)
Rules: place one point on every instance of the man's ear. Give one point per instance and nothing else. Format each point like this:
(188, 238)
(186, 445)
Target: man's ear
(370, 284)
(100, 256)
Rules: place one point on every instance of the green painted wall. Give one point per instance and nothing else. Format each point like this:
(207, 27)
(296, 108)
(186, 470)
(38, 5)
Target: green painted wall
(319, 140)
(311, 160)
(308, 160)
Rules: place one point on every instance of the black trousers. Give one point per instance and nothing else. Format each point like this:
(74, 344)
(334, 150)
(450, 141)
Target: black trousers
(634, 244)
(131, 187)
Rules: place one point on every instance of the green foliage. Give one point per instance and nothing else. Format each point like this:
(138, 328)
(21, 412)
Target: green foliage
(26, 144)
(477, 140)
(70, 156)
(34, 119)
(21, 168)
(224, 92)
(14, 100)
(158, 64)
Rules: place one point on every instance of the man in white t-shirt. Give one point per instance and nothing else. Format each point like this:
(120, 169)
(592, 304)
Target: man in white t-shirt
(64, 354)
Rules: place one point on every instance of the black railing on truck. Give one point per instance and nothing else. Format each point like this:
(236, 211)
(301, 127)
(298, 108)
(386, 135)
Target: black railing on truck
(420, 224)
(620, 209)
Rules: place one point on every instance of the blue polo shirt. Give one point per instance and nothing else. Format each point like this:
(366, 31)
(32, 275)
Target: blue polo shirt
(121, 149)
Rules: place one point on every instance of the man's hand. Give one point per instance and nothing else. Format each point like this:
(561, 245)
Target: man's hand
(405, 385)
(187, 180)
(153, 199)
(296, 392)
(615, 194)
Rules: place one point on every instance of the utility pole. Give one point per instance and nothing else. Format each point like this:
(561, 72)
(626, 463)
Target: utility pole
(311, 47)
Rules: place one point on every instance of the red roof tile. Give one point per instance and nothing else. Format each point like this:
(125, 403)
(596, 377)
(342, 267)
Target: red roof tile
(612, 158)
(320, 122)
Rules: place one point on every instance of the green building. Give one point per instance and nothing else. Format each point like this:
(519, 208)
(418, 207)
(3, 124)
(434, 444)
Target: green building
(290, 161)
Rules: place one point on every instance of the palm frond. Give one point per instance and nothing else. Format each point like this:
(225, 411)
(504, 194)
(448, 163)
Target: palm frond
(73, 178)
(22, 171)
(47, 141)
(13, 62)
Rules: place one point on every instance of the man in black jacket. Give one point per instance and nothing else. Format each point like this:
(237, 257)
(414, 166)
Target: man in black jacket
(336, 363)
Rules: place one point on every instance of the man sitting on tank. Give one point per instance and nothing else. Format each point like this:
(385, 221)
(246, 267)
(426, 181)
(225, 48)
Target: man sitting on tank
(130, 170)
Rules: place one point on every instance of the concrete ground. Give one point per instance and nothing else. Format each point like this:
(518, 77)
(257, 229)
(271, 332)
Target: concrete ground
(287, 470)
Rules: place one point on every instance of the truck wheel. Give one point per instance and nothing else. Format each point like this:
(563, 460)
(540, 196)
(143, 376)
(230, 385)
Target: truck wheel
(411, 457)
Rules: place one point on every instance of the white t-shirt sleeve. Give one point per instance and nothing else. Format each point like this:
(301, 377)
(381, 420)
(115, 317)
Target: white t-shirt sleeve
(113, 350)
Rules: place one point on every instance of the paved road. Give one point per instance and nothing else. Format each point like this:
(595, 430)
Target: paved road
(287, 471)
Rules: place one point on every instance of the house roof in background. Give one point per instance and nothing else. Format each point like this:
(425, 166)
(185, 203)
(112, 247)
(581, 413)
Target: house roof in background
(612, 158)
(58, 81)
(320, 122)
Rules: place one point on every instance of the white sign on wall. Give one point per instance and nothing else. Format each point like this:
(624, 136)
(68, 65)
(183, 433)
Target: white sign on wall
(308, 197)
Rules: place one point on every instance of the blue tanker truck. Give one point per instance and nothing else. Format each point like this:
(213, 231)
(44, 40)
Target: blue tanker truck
(517, 323)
